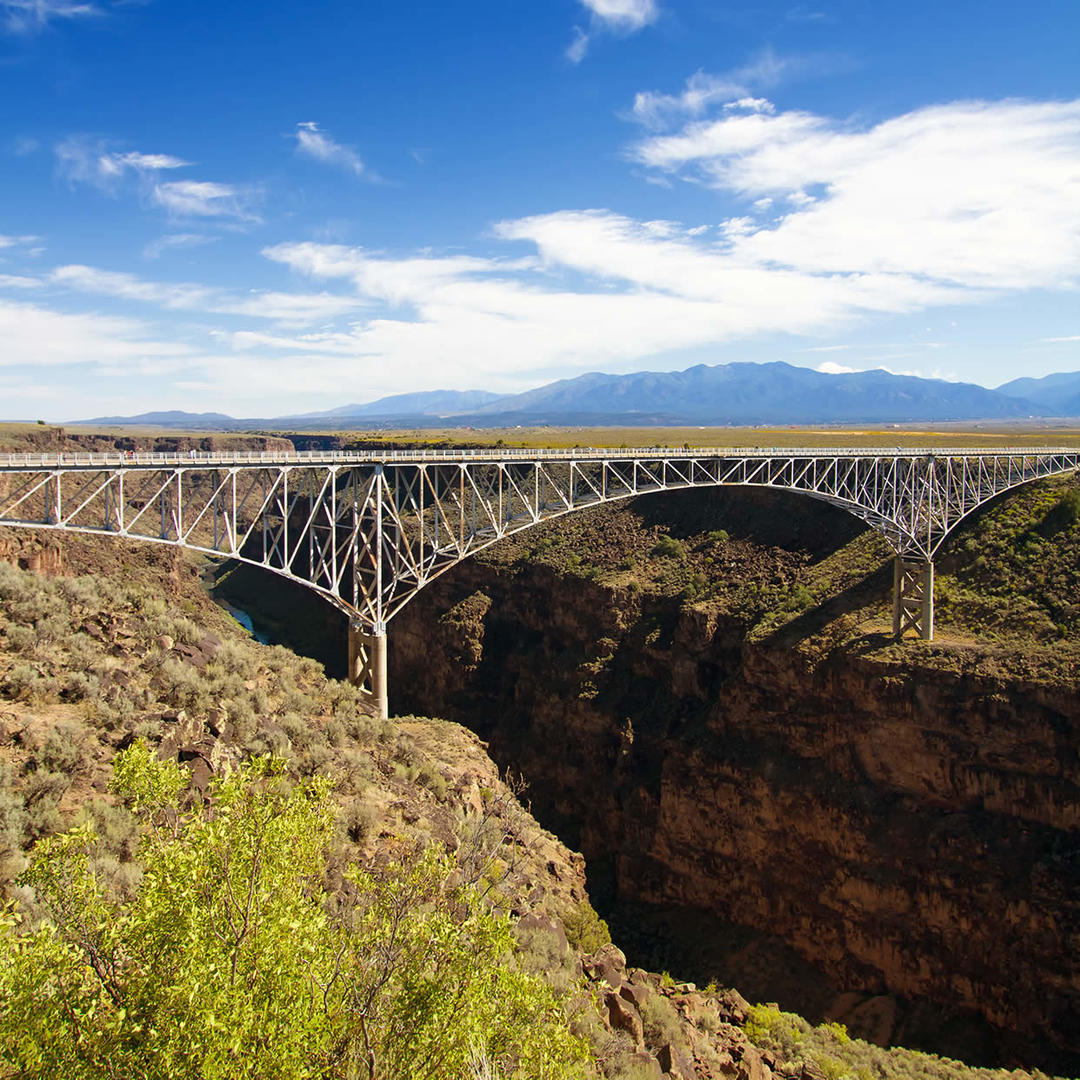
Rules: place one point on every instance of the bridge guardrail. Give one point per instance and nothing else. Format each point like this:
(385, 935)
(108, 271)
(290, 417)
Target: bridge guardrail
(321, 457)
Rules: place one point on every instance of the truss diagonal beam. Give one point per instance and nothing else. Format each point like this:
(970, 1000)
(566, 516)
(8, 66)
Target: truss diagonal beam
(369, 530)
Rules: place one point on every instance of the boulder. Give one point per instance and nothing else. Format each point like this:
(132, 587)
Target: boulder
(622, 1016)
(752, 1066)
(545, 925)
(216, 719)
(607, 963)
(673, 1063)
(734, 1008)
(636, 995)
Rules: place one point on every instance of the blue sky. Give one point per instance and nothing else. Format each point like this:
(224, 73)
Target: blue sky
(281, 207)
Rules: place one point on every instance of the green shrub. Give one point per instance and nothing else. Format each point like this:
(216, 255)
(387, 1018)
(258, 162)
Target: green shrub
(585, 930)
(63, 748)
(226, 961)
(798, 599)
(669, 548)
(661, 1022)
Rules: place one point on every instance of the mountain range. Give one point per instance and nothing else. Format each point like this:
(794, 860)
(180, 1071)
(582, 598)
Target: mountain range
(709, 395)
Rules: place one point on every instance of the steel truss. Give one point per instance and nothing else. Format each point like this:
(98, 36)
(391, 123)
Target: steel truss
(368, 531)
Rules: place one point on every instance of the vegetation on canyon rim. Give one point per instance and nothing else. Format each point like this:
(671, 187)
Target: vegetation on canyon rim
(230, 959)
(98, 661)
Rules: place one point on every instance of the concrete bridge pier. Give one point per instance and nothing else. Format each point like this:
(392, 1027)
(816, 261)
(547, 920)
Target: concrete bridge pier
(367, 665)
(913, 597)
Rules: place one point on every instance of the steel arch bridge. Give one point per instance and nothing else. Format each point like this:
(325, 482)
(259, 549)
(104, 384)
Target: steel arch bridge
(369, 530)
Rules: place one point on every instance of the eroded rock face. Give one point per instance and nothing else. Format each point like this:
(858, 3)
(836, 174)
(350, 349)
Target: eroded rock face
(909, 828)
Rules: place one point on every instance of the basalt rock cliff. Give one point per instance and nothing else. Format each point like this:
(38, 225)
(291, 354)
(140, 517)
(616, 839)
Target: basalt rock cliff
(896, 826)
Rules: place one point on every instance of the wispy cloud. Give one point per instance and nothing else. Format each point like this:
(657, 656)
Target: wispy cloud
(26, 16)
(175, 241)
(205, 199)
(578, 47)
(24, 145)
(614, 16)
(1060, 340)
(842, 222)
(703, 90)
(17, 281)
(17, 241)
(288, 309)
(862, 346)
(314, 143)
(83, 159)
(34, 336)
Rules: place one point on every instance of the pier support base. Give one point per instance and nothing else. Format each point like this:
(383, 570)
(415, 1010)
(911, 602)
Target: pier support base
(367, 666)
(913, 597)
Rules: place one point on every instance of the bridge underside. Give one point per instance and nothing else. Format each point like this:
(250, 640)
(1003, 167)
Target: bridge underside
(369, 531)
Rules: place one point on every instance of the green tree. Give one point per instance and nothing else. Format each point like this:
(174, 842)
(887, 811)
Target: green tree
(232, 959)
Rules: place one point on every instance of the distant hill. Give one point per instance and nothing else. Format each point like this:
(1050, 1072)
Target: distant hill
(1057, 395)
(722, 394)
(172, 418)
(424, 403)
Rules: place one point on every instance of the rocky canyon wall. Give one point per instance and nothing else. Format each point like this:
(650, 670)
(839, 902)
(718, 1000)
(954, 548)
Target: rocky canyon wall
(903, 818)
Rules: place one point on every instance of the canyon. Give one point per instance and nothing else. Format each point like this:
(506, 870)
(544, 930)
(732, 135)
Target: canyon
(883, 834)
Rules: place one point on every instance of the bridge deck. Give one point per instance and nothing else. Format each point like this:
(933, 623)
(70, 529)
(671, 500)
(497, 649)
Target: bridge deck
(590, 453)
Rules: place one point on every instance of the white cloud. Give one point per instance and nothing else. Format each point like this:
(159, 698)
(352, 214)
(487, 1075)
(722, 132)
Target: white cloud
(702, 91)
(977, 194)
(24, 16)
(174, 241)
(313, 143)
(86, 160)
(829, 367)
(128, 287)
(614, 16)
(17, 241)
(34, 336)
(288, 309)
(15, 281)
(576, 50)
(205, 199)
(623, 15)
(396, 281)
(1059, 340)
(149, 162)
(651, 287)
(83, 159)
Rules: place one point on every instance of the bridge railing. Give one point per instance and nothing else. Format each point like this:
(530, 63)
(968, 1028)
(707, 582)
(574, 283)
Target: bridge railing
(60, 459)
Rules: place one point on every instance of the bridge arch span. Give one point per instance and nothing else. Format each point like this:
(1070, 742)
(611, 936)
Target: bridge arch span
(367, 531)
